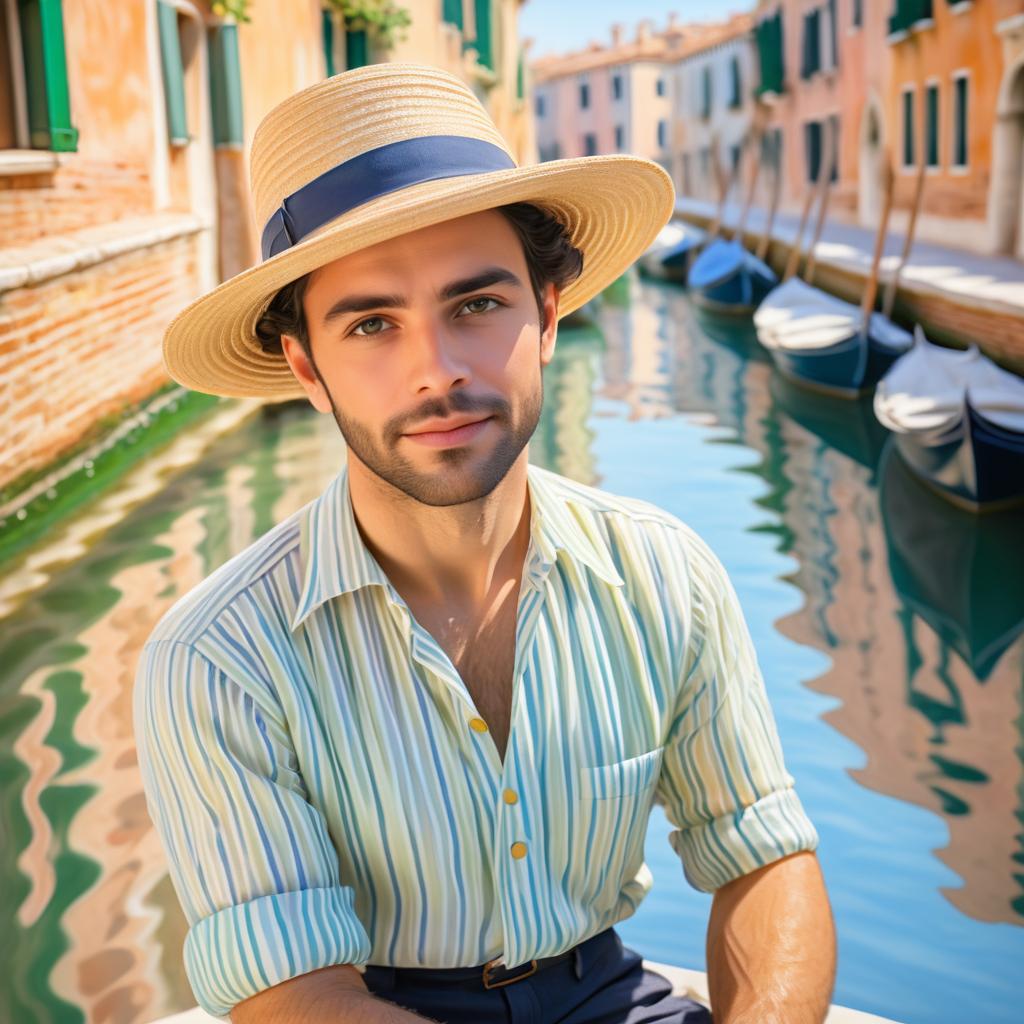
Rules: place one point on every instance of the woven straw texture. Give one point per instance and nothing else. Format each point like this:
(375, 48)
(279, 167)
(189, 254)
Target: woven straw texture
(612, 206)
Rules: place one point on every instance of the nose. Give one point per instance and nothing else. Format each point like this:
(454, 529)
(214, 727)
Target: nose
(438, 360)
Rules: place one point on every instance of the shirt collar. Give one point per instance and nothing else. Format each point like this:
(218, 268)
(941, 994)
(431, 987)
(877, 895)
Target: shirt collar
(336, 561)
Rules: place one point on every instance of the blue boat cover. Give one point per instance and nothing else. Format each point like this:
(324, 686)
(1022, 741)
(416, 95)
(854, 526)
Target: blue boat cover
(718, 261)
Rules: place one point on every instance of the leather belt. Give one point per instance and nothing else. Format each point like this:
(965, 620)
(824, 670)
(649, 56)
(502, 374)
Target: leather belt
(495, 976)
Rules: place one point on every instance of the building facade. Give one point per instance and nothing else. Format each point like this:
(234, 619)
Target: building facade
(608, 99)
(124, 135)
(713, 104)
(936, 83)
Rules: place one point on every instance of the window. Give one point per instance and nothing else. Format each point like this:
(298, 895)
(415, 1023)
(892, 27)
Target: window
(830, 44)
(908, 128)
(931, 124)
(662, 133)
(357, 48)
(771, 55)
(225, 85)
(706, 93)
(327, 34)
(584, 95)
(589, 144)
(960, 89)
(35, 109)
(452, 12)
(735, 83)
(858, 13)
(540, 105)
(811, 49)
(620, 137)
(735, 152)
(551, 151)
(833, 125)
(812, 149)
(659, 87)
(173, 67)
(616, 87)
(484, 42)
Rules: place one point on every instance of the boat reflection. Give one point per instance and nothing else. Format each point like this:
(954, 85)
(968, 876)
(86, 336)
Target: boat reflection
(961, 574)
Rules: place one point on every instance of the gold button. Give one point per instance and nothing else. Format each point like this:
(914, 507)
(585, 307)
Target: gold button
(519, 850)
(511, 796)
(478, 725)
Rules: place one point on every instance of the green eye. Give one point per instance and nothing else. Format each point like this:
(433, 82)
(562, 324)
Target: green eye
(370, 320)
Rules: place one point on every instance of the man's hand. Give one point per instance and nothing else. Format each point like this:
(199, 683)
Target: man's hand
(771, 946)
(332, 995)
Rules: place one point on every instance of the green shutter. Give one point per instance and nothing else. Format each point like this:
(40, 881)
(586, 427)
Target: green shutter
(931, 113)
(520, 77)
(327, 35)
(908, 129)
(174, 74)
(41, 24)
(812, 140)
(770, 54)
(706, 98)
(225, 86)
(811, 44)
(736, 99)
(453, 12)
(907, 14)
(960, 122)
(357, 49)
(484, 34)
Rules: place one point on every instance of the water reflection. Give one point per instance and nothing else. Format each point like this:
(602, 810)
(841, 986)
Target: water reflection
(918, 607)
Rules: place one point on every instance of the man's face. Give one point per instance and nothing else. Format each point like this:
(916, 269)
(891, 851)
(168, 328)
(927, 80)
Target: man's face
(440, 324)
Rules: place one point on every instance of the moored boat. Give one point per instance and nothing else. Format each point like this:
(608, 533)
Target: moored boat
(668, 257)
(820, 340)
(728, 278)
(958, 422)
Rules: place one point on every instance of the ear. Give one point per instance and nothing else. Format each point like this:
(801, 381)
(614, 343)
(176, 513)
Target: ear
(547, 338)
(302, 368)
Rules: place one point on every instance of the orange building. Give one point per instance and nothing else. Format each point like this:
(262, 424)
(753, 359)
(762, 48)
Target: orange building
(929, 81)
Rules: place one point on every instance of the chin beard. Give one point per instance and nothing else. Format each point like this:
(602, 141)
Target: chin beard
(462, 474)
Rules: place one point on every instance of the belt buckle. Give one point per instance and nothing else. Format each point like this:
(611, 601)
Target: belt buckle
(488, 983)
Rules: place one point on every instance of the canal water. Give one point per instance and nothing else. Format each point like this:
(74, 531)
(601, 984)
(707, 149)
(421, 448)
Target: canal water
(888, 626)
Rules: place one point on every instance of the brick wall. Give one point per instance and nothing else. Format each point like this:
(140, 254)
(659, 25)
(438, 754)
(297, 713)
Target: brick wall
(84, 345)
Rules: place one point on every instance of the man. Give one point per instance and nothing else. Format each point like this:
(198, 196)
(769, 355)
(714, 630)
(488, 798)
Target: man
(402, 751)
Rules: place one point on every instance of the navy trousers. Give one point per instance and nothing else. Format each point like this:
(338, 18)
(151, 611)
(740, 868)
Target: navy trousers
(604, 982)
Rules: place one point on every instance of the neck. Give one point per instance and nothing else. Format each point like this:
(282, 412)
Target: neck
(455, 555)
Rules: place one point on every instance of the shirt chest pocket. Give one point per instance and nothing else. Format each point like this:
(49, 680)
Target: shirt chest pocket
(632, 776)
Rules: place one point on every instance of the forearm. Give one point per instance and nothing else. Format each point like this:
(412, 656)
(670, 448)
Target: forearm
(771, 946)
(330, 996)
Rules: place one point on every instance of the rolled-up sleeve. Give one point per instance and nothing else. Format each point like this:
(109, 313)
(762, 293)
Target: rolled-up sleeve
(250, 858)
(723, 780)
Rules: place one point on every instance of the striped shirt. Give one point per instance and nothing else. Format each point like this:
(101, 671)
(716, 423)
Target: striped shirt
(327, 793)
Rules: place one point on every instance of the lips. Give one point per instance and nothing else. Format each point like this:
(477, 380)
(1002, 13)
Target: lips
(444, 426)
(461, 433)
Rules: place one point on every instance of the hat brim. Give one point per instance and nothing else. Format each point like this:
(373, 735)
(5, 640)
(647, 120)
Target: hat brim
(613, 206)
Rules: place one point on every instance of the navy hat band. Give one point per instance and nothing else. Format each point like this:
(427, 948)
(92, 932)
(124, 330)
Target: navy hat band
(375, 173)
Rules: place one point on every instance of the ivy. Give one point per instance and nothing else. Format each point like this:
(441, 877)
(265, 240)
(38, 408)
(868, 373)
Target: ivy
(382, 19)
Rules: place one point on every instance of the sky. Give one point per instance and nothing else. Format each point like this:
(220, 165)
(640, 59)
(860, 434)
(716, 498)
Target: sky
(560, 25)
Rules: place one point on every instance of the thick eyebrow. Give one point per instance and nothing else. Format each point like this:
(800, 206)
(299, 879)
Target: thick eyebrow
(452, 290)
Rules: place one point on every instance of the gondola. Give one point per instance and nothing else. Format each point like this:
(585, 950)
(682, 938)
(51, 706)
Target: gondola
(958, 422)
(728, 278)
(668, 257)
(819, 340)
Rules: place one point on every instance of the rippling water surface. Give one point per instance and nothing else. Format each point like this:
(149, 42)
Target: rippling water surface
(888, 626)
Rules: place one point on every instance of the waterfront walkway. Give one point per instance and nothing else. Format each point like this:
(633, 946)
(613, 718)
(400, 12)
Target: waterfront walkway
(957, 296)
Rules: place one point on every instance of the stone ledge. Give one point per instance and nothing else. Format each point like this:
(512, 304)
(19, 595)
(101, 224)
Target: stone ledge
(28, 161)
(684, 982)
(24, 266)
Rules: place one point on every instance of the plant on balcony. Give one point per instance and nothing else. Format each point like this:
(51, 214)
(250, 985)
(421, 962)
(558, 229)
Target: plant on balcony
(382, 19)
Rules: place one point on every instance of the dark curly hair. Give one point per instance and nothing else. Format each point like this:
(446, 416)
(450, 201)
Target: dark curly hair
(550, 257)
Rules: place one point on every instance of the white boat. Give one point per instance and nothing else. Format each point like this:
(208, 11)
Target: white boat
(958, 421)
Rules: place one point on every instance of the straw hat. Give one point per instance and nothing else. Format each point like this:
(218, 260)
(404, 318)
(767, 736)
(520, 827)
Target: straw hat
(377, 152)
